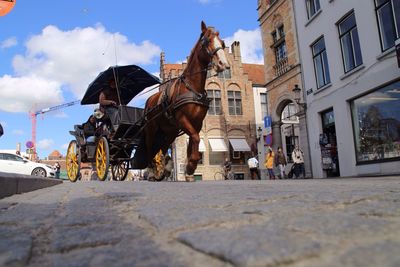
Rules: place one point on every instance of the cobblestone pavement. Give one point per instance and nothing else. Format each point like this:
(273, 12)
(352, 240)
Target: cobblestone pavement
(318, 222)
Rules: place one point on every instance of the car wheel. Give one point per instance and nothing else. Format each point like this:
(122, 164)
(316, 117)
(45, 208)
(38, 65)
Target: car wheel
(39, 172)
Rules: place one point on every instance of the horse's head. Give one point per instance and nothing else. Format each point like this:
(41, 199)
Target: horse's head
(212, 44)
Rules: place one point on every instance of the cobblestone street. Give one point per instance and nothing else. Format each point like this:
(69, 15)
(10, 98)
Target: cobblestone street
(316, 222)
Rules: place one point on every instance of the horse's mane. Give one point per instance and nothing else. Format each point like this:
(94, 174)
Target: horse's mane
(192, 52)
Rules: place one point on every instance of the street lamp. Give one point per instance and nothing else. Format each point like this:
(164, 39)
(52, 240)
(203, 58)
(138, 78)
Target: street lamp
(296, 90)
(259, 133)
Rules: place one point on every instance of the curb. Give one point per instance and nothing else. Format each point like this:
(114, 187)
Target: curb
(11, 184)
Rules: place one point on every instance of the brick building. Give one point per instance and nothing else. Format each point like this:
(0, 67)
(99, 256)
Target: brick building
(229, 129)
(282, 73)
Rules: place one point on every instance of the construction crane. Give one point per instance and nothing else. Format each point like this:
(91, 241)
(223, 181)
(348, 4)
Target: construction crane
(33, 116)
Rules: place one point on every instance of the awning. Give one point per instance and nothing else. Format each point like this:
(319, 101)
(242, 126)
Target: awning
(239, 144)
(217, 145)
(202, 146)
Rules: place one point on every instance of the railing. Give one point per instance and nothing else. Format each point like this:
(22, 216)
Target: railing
(281, 67)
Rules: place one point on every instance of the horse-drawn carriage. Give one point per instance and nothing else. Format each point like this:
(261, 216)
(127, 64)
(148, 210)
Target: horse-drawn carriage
(142, 137)
(111, 148)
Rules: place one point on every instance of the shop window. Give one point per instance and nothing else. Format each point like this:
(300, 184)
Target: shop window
(198, 177)
(217, 158)
(239, 176)
(376, 124)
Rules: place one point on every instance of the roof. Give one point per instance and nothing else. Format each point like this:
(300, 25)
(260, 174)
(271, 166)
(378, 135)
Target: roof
(55, 154)
(256, 73)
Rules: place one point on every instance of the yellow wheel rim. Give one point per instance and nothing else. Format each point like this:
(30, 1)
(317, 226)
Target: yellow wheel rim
(72, 163)
(102, 159)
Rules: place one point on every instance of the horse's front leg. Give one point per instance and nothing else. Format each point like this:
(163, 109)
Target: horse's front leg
(193, 156)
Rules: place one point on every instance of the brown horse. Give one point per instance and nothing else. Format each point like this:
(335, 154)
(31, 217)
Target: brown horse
(181, 104)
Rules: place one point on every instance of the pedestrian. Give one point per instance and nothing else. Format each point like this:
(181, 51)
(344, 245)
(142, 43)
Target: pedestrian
(298, 159)
(253, 166)
(269, 163)
(227, 169)
(57, 168)
(280, 161)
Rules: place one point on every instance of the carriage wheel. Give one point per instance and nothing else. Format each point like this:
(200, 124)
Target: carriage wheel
(120, 170)
(102, 158)
(73, 161)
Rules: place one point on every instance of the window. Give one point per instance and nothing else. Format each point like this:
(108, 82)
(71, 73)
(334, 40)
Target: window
(376, 124)
(274, 36)
(291, 142)
(215, 104)
(388, 15)
(280, 52)
(216, 158)
(264, 105)
(226, 74)
(312, 7)
(234, 103)
(288, 114)
(320, 63)
(281, 31)
(350, 43)
(278, 37)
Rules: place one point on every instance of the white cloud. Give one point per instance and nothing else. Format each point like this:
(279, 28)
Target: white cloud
(70, 60)
(45, 144)
(250, 45)
(18, 132)
(10, 42)
(22, 94)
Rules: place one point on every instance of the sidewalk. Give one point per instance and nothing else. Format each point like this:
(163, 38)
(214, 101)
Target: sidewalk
(11, 184)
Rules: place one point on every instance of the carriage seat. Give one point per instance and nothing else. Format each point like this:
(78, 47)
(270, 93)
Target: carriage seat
(128, 120)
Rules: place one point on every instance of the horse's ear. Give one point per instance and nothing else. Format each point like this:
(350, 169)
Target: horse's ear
(217, 33)
(203, 27)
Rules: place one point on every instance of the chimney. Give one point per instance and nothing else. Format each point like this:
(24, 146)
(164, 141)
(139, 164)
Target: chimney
(235, 47)
(162, 62)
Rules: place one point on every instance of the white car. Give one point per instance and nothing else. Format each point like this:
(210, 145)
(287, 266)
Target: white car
(13, 163)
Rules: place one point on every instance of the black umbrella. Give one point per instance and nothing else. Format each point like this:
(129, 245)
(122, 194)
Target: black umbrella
(130, 81)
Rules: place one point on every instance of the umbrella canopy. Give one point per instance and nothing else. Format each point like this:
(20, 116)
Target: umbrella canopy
(130, 81)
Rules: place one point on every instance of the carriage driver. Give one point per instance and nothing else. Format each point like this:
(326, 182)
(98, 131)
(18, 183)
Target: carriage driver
(109, 102)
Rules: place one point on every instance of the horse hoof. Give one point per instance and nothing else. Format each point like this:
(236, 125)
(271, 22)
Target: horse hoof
(190, 178)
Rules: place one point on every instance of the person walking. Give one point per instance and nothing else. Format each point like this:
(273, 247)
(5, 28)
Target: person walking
(298, 159)
(280, 161)
(253, 166)
(269, 164)
(57, 168)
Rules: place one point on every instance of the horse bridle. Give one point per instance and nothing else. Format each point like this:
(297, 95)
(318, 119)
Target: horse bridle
(205, 41)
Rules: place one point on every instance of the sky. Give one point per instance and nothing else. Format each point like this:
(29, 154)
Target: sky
(50, 51)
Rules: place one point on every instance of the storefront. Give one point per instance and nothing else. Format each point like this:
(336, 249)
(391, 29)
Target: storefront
(376, 125)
